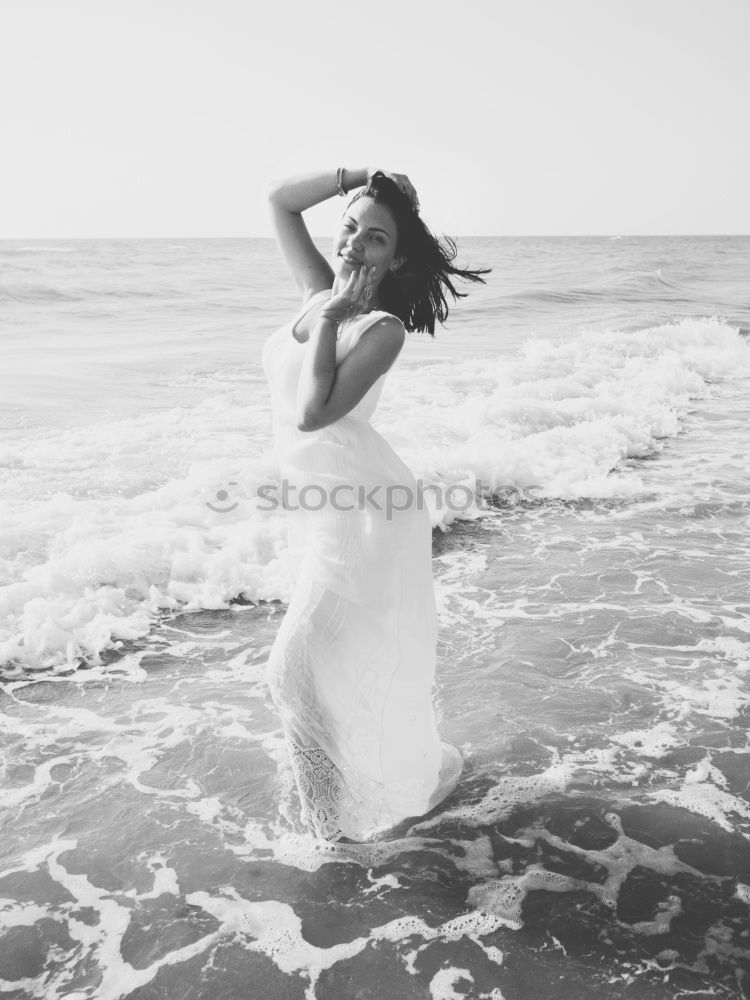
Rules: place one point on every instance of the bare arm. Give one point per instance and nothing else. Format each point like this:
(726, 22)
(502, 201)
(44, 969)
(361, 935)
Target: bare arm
(288, 199)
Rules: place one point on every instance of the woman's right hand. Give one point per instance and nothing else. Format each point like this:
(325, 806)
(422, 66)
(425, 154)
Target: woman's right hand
(351, 297)
(401, 181)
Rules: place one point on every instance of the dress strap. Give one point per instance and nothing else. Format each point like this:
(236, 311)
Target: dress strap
(308, 306)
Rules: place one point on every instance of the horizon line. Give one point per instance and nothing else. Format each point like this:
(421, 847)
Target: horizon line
(462, 236)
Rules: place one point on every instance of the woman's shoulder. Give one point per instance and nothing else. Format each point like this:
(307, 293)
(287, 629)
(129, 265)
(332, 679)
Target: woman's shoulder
(381, 328)
(386, 324)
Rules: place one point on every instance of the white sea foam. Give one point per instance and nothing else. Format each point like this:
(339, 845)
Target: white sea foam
(102, 939)
(703, 791)
(274, 929)
(442, 983)
(504, 897)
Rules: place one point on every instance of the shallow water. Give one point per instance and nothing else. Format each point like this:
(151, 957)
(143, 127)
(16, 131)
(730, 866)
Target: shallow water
(593, 667)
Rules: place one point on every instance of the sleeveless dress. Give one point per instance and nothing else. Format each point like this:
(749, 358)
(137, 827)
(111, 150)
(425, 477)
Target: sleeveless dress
(352, 667)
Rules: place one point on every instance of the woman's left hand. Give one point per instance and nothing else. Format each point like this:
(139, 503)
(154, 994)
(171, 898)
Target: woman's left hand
(402, 182)
(351, 297)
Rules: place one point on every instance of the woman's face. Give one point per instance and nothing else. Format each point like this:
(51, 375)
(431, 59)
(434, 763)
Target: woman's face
(367, 237)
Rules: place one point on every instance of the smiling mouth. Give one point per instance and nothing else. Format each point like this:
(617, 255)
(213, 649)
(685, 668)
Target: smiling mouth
(351, 261)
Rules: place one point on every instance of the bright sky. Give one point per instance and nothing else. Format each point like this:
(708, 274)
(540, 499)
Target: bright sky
(169, 117)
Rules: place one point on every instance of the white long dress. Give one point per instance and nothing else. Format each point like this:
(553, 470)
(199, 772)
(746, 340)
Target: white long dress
(352, 667)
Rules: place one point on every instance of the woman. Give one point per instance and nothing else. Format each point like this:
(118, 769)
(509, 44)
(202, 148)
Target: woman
(353, 665)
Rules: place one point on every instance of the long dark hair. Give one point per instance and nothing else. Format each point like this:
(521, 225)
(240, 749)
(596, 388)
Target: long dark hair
(416, 292)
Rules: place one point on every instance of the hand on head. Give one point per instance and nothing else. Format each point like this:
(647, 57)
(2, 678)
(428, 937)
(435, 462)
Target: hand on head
(401, 181)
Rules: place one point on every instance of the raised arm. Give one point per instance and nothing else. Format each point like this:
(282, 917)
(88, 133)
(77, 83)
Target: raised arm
(289, 198)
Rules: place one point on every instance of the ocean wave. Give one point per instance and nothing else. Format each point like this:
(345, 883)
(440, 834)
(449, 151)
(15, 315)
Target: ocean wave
(11, 250)
(108, 528)
(629, 287)
(39, 293)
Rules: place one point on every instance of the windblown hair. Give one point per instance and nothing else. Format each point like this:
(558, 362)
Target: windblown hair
(416, 292)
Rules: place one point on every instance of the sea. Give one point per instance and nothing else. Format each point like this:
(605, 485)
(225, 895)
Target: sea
(587, 414)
